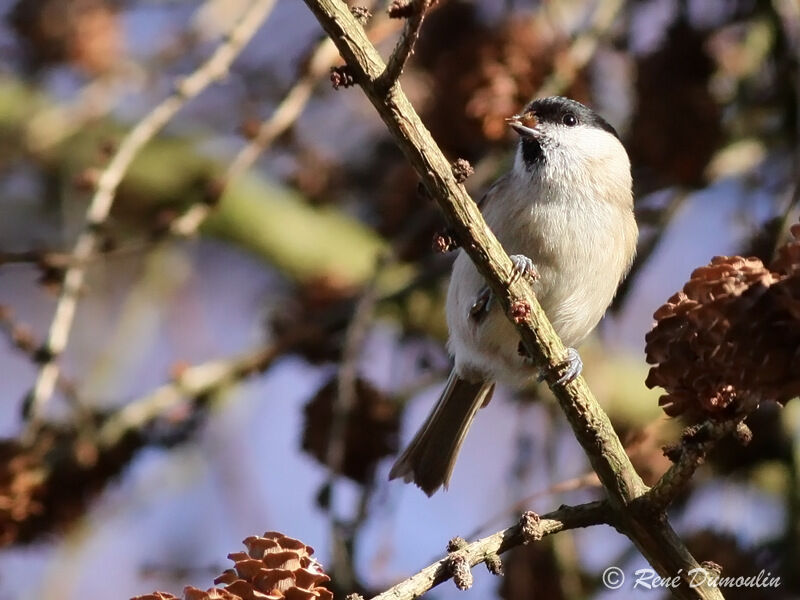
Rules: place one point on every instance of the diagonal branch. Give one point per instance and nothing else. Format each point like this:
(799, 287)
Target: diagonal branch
(486, 549)
(651, 533)
(100, 205)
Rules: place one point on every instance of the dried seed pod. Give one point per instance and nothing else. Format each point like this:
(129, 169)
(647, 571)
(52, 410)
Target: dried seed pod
(370, 432)
(462, 575)
(48, 484)
(730, 338)
(275, 567)
(86, 34)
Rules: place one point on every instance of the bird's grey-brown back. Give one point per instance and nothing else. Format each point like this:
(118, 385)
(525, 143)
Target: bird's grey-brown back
(567, 205)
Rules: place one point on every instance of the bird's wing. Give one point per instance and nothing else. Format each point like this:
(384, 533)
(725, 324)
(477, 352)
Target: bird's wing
(494, 189)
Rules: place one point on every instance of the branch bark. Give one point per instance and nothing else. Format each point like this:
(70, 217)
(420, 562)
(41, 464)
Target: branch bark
(649, 530)
(405, 45)
(691, 453)
(485, 549)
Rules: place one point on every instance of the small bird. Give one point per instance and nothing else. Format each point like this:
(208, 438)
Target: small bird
(564, 213)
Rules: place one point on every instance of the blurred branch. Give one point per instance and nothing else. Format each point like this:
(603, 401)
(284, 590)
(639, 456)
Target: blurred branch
(582, 49)
(193, 382)
(40, 257)
(100, 205)
(51, 126)
(282, 119)
(20, 336)
(344, 400)
(287, 112)
(345, 397)
(47, 483)
(652, 535)
(274, 223)
(530, 528)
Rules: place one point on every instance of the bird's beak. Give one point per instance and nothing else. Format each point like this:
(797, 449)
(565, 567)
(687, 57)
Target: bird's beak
(524, 124)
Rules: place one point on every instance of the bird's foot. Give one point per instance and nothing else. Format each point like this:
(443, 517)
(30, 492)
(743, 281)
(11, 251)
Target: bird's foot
(570, 368)
(482, 305)
(523, 266)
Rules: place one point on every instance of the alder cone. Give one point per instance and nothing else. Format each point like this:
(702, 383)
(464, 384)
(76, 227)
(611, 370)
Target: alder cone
(673, 92)
(731, 338)
(86, 34)
(275, 567)
(480, 75)
(48, 484)
(370, 432)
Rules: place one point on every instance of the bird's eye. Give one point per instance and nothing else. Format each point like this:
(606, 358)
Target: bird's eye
(569, 120)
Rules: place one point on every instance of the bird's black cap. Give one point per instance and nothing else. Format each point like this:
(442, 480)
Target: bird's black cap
(555, 108)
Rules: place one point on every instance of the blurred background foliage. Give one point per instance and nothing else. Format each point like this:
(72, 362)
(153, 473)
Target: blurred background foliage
(261, 374)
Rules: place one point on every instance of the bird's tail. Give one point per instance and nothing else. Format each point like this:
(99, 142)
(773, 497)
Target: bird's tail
(429, 459)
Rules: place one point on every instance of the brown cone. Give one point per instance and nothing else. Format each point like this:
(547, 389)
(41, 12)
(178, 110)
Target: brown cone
(731, 338)
(274, 567)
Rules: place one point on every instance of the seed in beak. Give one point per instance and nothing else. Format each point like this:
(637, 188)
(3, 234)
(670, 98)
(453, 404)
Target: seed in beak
(529, 119)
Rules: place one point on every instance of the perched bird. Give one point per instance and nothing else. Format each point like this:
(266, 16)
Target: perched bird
(564, 213)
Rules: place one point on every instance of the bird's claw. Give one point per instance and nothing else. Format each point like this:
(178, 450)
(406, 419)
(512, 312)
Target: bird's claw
(570, 368)
(523, 266)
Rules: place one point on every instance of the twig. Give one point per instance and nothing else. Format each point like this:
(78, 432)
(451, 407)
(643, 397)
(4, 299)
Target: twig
(582, 49)
(654, 537)
(697, 442)
(405, 45)
(64, 467)
(22, 338)
(41, 258)
(279, 122)
(51, 126)
(56, 261)
(193, 382)
(567, 517)
(343, 403)
(100, 205)
(348, 370)
(568, 485)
